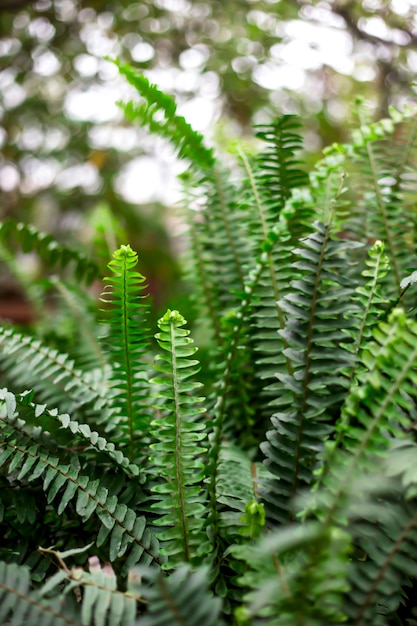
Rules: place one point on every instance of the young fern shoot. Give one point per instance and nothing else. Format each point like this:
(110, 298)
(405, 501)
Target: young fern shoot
(127, 342)
(179, 448)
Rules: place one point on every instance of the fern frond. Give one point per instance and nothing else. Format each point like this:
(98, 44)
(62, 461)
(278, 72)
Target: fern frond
(102, 603)
(220, 251)
(296, 575)
(370, 302)
(377, 168)
(375, 411)
(49, 250)
(237, 486)
(80, 317)
(188, 142)
(182, 599)
(179, 449)
(29, 363)
(314, 332)
(20, 605)
(25, 455)
(128, 343)
(278, 169)
(55, 424)
(384, 534)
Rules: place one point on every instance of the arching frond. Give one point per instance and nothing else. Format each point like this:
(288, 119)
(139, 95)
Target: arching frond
(50, 251)
(25, 455)
(188, 142)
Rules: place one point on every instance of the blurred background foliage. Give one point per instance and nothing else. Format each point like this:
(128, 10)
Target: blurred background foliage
(71, 165)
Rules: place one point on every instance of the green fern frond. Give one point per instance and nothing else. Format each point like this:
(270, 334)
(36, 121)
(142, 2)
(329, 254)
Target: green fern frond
(55, 424)
(79, 316)
(20, 605)
(237, 487)
(375, 411)
(29, 363)
(182, 599)
(370, 301)
(315, 331)
(384, 533)
(378, 163)
(179, 450)
(278, 168)
(128, 343)
(102, 603)
(188, 142)
(296, 575)
(25, 454)
(49, 250)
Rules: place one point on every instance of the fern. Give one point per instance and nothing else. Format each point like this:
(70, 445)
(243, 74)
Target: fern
(127, 343)
(163, 477)
(181, 599)
(30, 363)
(26, 453)
(177, 455)
(20, 603)
(184, 138)
(49, 250)
(314, 332)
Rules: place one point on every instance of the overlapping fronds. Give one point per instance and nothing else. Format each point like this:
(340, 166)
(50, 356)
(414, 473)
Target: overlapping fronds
(385, 540)
(50, 421)
(275, 173)
(378, 409)
(77, 315)
(26, 455)
(48, 248)
(365, 536)
(314, 387)
(278, 169)
(188, 142)
(296, 575)
(237, 487)
(379, 163)
(70, 597)
(29, 363)
(18, 602)
(178, 454)
(370, 302)
(127, 342)
(182, 599)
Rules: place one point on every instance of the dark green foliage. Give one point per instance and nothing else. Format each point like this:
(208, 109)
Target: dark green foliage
(288, 496)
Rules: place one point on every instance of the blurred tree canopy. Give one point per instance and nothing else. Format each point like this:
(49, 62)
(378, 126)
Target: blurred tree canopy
(65, 147)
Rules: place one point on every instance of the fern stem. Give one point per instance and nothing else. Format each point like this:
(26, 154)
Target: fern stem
(178, 446)
(255, 191)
